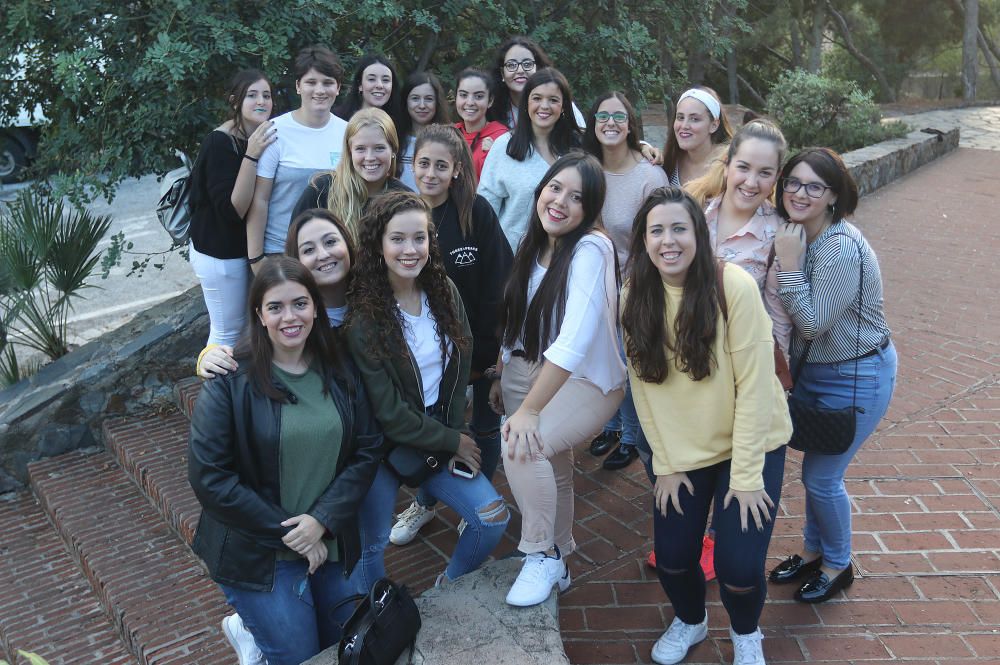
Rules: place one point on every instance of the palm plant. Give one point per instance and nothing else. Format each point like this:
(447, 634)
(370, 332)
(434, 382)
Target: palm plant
(47, 254)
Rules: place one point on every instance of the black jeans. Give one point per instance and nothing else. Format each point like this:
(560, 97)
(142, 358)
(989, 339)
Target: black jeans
(739, 555)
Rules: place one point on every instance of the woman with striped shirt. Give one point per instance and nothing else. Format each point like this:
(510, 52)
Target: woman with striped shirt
(831, 287)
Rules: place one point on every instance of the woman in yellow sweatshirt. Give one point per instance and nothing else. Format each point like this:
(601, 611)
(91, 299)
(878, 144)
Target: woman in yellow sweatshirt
(712, 414)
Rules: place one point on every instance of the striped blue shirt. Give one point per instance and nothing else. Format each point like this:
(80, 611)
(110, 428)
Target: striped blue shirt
(823, 302)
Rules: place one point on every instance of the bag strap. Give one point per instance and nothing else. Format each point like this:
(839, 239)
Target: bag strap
(857, 339)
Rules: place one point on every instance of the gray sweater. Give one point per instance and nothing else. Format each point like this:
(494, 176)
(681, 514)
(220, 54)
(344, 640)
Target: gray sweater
(509, 187)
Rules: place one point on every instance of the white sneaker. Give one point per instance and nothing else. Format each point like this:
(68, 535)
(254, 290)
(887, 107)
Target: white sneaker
(537, 577)
(673, 645)
(242, 641)
(747, 649)
(409, 522)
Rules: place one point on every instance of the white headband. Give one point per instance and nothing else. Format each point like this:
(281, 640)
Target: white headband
(710, 102)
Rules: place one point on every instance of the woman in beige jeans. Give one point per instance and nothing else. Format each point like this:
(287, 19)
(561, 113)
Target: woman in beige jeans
(560, 376)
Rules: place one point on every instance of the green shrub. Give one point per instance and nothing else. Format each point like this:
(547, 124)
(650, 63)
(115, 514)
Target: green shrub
(813, 110)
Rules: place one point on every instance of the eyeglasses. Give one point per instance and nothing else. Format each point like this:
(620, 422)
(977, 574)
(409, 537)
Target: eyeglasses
(618, 116)
(814, 190)
(512, 65)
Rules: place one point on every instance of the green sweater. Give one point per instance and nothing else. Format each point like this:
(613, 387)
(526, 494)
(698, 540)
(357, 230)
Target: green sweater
(393, 386)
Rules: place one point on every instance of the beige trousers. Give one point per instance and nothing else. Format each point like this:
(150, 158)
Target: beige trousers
(542, 484)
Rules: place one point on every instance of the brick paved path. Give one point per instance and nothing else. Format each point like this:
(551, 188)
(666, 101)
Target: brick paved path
(926, 488)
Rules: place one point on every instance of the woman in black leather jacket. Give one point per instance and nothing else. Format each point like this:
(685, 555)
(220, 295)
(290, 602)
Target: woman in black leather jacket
(282, 453)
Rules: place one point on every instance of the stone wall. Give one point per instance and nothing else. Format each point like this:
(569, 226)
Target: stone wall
(128, 370)
(878, 165)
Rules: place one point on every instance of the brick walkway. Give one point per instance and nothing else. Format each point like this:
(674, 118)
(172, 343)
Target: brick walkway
(926, 488)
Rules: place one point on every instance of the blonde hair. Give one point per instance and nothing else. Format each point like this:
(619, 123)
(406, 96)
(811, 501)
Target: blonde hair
(348, 191)
(713, 183)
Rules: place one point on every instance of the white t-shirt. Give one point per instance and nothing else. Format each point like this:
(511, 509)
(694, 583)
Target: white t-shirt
(422, 339)
(290, 162)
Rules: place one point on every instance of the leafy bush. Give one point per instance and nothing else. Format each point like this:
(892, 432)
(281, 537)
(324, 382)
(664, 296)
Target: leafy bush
(816, 110)
(47, 255)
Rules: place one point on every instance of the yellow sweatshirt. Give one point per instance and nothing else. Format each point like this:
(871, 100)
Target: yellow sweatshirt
(738, 411)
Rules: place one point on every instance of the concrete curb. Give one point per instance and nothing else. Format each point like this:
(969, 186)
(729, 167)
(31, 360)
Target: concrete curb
(467, 622)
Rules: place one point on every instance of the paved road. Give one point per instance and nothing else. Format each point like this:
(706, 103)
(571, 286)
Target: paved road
(980, 126)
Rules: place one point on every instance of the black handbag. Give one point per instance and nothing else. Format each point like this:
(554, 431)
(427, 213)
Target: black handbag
(413, 466)
(384, 624)
(817, 429)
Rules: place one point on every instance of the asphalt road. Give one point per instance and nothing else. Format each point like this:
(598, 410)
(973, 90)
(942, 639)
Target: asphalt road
(115, 300)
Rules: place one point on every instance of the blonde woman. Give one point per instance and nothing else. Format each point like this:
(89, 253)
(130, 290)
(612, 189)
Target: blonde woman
(370, 145)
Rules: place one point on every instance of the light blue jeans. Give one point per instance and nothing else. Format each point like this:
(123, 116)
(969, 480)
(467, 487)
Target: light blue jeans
(471, 499)
(828, 508)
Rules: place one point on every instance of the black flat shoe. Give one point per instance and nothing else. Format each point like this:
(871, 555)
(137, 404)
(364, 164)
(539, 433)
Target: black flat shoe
(793, 568)
(819, 587)
(620, 458)
(604, 442)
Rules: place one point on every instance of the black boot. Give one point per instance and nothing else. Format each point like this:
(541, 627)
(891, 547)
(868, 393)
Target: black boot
(604, 442)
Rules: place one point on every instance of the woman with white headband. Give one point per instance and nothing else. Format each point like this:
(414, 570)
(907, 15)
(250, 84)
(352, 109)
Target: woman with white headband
(699, 128)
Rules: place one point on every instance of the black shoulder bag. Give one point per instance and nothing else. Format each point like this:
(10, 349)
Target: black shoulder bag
(816, 429)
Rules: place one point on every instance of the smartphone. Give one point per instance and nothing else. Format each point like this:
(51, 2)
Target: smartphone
(462, 470)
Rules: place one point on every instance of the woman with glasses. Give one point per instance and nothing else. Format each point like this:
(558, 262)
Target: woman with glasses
(516, 60)
(612, 135)
(698, 128)
(518, 160)
(841, 350)
(281, 455)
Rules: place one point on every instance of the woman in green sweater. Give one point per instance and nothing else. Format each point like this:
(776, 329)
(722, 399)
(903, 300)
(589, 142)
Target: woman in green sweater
(712, 413)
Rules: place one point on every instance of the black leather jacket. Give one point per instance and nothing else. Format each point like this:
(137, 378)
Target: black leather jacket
(234, 470)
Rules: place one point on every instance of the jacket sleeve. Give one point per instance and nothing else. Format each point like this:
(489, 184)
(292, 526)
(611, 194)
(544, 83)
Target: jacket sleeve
(402, 424)
(212, 470)
(456, 414)
(338, 506)
(497, 260)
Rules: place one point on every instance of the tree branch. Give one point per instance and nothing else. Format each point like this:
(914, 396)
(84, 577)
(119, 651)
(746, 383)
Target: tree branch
(841, 24)
(756, 96)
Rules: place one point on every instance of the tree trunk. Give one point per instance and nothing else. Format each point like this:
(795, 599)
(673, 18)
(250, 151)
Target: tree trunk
(970, 52)
(888, 94)
(990, 59)
(757, 98)
(732, 74)
(425, 56)
(816, 44)
(795, 32)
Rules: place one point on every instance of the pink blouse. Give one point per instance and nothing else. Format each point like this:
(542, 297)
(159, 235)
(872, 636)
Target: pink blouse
(749, 248)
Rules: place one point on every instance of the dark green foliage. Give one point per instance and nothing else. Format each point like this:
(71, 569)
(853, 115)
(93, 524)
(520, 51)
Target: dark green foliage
(815, 110)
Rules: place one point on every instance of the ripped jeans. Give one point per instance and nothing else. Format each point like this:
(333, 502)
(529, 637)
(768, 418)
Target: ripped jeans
(739, 555)
(475, 500)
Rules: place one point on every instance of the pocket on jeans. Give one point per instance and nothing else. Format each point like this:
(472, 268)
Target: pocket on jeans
(867, 368)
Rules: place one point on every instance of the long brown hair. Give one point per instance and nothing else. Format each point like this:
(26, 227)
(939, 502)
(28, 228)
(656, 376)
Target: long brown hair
(647, 340)
(237, 92)
(461, 190)
(257, 346)
(545, 312)
(306, 216)
(370, 297)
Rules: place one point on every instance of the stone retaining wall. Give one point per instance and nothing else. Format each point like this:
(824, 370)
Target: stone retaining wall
(878, 165)
(126, 371)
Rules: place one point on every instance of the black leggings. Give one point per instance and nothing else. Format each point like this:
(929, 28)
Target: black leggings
(739, 556)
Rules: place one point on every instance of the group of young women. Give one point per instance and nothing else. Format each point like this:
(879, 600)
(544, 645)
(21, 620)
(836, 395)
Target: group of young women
(549, 267)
